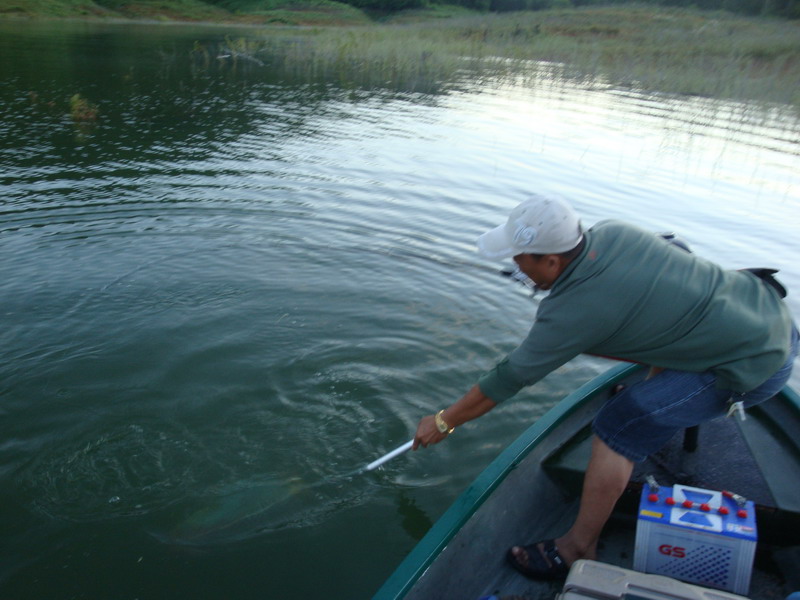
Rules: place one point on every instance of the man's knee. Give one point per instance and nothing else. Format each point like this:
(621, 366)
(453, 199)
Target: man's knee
(608, 467)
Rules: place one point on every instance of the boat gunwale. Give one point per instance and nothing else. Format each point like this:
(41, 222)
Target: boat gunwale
(470, 500)
(425, 552)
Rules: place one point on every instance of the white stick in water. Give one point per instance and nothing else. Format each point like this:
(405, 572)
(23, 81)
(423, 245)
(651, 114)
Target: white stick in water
(387, 457)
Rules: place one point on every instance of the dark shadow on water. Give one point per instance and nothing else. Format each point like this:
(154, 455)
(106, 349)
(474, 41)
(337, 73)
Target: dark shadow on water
(414, 520)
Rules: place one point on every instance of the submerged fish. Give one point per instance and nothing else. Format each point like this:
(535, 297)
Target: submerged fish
(237, 514)
(248, 510)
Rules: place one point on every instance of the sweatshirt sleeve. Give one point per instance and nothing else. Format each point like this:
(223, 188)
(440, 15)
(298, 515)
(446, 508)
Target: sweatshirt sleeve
(547, 347)
(500, 383)
(560, 332)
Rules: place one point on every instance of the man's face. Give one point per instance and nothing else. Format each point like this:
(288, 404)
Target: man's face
(543, 270)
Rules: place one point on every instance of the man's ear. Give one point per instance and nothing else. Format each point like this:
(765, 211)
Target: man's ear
(552, 261)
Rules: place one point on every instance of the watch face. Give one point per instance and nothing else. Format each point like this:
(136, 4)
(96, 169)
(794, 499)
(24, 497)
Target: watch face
(441, 425)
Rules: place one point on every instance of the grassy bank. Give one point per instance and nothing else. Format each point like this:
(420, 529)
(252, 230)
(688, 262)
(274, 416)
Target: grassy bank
(645, 47)
(664, 50)
(313, 12)
(678, 51)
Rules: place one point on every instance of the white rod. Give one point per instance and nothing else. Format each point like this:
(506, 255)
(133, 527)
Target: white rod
(387, 457)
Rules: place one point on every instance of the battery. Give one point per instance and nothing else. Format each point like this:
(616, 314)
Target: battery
(696, 535)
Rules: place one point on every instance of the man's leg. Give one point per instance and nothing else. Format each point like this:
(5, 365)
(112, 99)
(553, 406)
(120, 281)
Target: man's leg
(606, 477)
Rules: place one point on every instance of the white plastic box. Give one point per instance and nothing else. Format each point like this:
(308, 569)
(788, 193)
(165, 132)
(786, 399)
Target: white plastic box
(590, 580)
(696, 535)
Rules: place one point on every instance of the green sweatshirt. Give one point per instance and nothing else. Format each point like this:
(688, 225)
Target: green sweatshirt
(633, 296)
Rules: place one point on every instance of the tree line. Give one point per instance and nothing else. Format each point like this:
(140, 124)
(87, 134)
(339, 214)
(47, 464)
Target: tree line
(777, 8)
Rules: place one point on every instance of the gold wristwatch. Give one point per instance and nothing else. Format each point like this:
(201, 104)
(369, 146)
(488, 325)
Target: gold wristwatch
(441, 425)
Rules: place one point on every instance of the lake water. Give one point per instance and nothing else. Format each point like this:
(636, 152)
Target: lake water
(232, 289)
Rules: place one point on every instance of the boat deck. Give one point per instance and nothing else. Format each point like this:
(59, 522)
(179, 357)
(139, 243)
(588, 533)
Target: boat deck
(730, 455)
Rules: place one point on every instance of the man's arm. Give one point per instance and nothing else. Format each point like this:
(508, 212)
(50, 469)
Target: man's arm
(471, 406)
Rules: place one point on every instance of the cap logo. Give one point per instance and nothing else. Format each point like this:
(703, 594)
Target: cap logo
(524, 236)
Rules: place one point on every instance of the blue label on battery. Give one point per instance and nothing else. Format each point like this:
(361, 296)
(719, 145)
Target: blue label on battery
(701, 510)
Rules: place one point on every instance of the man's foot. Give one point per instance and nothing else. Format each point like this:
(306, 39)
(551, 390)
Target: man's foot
(538, 561)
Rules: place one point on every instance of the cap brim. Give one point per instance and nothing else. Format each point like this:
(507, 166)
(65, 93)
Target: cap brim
(494, 244)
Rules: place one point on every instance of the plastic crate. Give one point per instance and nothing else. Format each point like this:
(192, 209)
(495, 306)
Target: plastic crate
(591, 580)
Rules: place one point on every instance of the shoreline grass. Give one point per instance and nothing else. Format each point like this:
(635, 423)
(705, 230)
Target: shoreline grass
(675, 51)
(649, 48)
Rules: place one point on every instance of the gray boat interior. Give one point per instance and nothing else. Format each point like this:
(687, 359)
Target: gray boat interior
(758, 458)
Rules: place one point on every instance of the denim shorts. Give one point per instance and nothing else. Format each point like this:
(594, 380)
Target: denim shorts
(640, 419)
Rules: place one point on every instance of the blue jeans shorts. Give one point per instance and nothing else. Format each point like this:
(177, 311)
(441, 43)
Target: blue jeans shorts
(640, 419)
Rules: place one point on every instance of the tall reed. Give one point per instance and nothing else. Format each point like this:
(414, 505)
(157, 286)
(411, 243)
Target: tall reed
(649, 48)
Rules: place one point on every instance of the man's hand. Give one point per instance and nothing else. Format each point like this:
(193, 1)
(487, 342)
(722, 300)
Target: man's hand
(471, 406)
(427, 433)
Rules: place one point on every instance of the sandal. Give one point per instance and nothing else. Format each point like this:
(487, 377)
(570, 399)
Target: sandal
(542, 563)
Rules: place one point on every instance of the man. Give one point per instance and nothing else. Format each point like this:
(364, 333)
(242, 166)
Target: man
(714, 338)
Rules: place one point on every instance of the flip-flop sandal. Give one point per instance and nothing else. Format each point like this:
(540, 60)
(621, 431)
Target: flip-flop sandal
(542, 563)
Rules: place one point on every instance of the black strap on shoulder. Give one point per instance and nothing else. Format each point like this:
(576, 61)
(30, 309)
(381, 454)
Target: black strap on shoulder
(673, 239)
(767, 276)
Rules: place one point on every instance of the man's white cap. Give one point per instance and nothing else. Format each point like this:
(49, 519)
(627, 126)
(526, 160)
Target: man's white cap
(537, 226)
